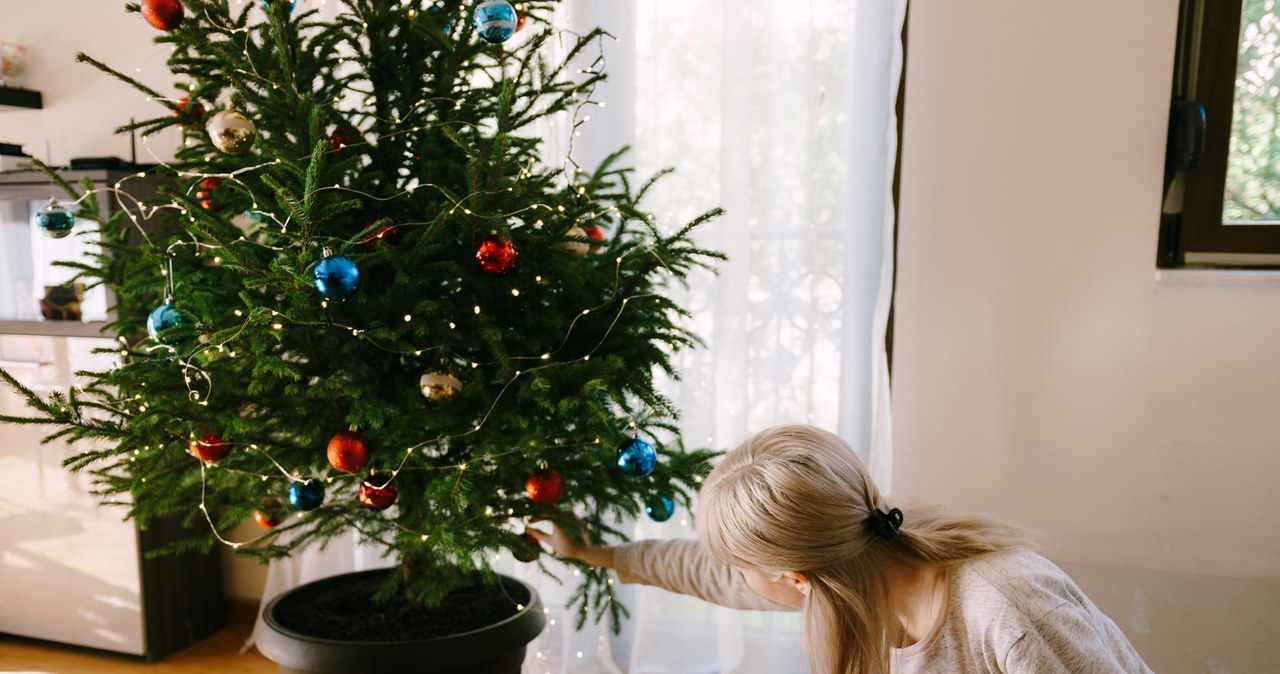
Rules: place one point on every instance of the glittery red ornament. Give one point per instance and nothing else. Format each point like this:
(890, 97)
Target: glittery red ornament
(388, 232)
(163, 14)
(594, 232)
(348, 451)
(496, 256)
(208, 446)
(377, 491)
(204, 192)
(197, 111)
(528, 549)
(545, 486)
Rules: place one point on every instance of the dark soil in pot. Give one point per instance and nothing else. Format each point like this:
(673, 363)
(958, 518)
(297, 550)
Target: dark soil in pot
(344, 611)
(332, 626)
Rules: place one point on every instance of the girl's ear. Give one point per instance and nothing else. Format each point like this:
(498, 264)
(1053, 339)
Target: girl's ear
(798, 580)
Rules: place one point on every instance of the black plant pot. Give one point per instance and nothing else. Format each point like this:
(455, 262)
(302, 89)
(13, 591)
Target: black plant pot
(498, 648)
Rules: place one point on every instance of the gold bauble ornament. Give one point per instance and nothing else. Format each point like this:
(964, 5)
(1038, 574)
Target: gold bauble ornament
(439, 386)
(231, 132)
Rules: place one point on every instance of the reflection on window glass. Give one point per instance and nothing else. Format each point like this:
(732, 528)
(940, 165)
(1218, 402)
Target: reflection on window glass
(1253, 164)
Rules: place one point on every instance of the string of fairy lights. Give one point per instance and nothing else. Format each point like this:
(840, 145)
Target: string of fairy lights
(200, 384)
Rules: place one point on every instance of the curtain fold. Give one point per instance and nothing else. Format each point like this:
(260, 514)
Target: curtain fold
(782, 113)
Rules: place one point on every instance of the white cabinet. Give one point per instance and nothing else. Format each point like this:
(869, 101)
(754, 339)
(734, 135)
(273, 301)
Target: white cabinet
(69, 568)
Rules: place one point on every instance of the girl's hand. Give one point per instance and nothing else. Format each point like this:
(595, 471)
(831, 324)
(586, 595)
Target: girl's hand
(569, 547)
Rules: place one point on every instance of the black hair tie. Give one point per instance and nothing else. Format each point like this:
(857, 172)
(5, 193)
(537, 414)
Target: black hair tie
(886, 524)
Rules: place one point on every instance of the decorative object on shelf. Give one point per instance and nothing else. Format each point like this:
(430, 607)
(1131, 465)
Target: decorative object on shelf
(231, 132)
(12, 158)
(495, 21)
(11, 55)
(62, 303)
(54, 220)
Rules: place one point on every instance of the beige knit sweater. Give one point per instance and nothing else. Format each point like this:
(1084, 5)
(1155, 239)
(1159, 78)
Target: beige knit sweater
(1014, 612)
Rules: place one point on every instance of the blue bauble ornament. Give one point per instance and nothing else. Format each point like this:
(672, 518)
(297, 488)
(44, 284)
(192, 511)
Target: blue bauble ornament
(660, 507)
(495, 21)
(306, 495)
(55, 221)
(637, 458)
(266, 4)
(162, 318)
(337, 277)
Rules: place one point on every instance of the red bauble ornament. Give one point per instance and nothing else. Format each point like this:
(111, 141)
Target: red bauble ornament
(197, 111)
(341, 138)
(528, 549)
(594, 232)
(388, 232)
(521, 18)
(204, 192)
(269, 513)
(496, 256)
(348, 451)
(163, 14)
(377, 492)
(208, 446)
(545, 486)
(265, 520)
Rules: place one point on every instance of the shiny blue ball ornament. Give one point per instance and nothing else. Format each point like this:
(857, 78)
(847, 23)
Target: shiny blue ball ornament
(337, 277)
(266, 4)
(306, 495)
(55, 221)
(162, 318)
(637, 458)
(660, 507)
(495, 21)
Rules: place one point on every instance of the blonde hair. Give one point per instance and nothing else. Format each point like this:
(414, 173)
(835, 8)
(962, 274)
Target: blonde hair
(798, 498)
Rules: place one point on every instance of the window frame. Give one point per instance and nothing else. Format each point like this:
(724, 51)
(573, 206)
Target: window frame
(1192, 232)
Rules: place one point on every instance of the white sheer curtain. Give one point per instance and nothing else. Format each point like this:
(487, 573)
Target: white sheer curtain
(782, 113)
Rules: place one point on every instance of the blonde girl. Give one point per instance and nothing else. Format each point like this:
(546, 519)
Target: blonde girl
(790, 520)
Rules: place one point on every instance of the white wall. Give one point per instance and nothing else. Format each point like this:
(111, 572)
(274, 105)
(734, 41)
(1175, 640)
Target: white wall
(82, 106)
(1042, 372)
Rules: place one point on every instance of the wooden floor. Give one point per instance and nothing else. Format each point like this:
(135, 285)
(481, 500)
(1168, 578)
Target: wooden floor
(218, 653)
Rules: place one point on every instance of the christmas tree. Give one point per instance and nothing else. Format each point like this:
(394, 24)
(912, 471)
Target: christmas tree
(374, 301)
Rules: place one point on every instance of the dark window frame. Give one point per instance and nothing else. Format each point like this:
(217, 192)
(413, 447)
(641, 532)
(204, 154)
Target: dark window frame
(1192, 233)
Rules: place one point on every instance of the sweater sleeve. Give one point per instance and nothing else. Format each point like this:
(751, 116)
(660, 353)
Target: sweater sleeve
(680, 565)
(1069, 639)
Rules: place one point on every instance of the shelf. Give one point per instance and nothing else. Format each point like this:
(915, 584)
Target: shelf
(54, 328)
(11, 97)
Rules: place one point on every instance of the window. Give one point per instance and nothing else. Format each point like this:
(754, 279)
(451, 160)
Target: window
(1222, 166)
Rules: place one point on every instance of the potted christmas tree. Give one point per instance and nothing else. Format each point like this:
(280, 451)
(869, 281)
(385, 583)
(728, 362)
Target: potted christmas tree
(377, 304)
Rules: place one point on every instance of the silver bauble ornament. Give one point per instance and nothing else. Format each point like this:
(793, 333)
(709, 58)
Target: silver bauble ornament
(578, 248)
(231, 132)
